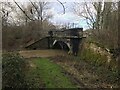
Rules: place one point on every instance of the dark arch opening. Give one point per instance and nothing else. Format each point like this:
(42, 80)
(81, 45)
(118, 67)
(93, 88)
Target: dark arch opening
(61, 45)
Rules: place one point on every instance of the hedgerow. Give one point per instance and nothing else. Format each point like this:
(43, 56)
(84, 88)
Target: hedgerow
(13, 66)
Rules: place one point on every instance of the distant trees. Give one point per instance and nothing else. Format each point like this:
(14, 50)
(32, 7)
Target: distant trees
(24, 22)
(36, 11)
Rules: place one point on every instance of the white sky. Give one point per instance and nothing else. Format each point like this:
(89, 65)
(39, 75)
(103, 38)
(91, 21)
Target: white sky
(68, 17)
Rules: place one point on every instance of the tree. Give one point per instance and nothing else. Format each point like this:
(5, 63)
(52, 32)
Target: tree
(6, 10)
(102, 18)
(36, 11)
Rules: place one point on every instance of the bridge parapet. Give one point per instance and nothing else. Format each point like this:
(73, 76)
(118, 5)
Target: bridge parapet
(67, 33)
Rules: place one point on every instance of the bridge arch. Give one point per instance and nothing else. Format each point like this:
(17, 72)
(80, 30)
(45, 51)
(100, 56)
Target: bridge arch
(60, 45)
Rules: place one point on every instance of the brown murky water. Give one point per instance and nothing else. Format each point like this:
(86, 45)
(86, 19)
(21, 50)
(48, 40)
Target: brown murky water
(42, 53)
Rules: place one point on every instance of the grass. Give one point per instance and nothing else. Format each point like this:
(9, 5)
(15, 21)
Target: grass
(47, 74)
(108, 73)
(94, 58)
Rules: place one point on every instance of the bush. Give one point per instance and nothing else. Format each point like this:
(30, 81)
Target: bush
(13, 66)
(94, 58)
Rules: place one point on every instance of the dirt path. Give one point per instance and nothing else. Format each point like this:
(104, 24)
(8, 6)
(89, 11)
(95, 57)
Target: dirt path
(42, 53)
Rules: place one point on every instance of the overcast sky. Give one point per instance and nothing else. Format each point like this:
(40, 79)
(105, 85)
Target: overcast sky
(68, 17)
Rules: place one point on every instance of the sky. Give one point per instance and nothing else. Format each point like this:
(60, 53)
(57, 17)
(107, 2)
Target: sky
(69, 16)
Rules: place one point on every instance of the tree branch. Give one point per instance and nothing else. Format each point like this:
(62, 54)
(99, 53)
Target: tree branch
(23, 10)
(62, 6)
(87, 8)
(35, 8)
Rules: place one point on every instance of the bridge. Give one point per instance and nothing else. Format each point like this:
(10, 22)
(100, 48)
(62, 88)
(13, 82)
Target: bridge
(65, 39)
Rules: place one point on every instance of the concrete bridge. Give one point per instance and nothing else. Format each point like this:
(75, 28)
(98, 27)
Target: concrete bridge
(65, 39)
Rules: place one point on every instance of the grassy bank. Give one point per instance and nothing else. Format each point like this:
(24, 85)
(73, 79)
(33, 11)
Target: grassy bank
(46, 74)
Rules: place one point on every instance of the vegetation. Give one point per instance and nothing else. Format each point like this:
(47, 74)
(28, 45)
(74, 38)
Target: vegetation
(13, 67)
(98, 55)
(25, 28)
(42, 73)
(23, 23)
(46, 74)
(88, 73)
(92, 57)
(102, 19)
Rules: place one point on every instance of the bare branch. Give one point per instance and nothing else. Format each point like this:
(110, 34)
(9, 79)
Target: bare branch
(35, 8)
(87, 8)
(23, 11)
(62, 6)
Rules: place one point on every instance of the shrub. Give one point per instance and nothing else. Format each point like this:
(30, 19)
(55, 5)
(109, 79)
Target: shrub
(94, 58)
(13, 66)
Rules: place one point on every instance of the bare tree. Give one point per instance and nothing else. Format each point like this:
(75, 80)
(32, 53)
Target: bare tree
(36, 11)
(102, 18)
(91, 12)
(6, 11)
